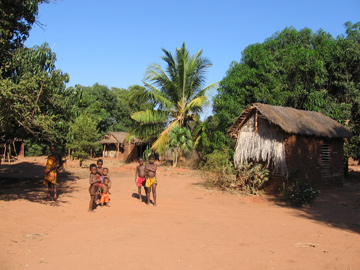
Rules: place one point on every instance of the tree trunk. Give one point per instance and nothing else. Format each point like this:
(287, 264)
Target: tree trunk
(13, 143)
(4, 155)
(175, 157)
(22, 150)
(182, 155)
(9, 153)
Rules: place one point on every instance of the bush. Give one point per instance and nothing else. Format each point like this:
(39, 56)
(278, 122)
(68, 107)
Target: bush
(299, 194)
(218, 169)
(34, 149)
(252, 177)
(147, 153)
(220, 173)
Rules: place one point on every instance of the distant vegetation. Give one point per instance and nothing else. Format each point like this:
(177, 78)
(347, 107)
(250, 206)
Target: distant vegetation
(299, 69)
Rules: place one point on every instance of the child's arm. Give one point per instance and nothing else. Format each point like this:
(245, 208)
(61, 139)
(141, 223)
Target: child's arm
(136, 174)
(94, 179)
(149, 169)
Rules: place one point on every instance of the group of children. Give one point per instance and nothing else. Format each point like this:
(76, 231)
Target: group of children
(100, 182)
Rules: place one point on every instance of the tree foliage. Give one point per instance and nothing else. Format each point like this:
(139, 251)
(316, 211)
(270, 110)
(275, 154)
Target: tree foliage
(177, 92)
(82, 136)
(179, 139)
(299, 69)
(31, 98)
(17, 18)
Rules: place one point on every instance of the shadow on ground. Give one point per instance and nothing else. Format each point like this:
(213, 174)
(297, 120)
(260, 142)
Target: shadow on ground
(24, 181)
(336, 207)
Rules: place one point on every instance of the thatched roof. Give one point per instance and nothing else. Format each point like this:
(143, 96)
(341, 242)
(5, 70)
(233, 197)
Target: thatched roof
(294, 121)
(117, 137)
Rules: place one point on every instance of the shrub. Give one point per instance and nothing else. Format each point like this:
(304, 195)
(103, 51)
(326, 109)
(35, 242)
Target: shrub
(299, 194)
(220, 173)
(34, 149)
(218, 169)
(147, 153)
(252, 177)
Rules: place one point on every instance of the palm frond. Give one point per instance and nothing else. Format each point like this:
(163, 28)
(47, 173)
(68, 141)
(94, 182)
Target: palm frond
(161, 143)
(195, 104)
(206, 89)
(157, 96)
(148, 131)
(150, 116)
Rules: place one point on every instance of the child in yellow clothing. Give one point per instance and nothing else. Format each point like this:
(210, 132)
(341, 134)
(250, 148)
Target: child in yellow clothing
(151, 182)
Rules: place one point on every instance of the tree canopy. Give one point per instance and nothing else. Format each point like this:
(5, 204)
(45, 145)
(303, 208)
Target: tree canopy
(299, 69)
(177, 92)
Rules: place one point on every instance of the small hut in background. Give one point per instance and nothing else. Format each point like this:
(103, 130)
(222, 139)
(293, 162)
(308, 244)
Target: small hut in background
(293, 144)
(117, 145)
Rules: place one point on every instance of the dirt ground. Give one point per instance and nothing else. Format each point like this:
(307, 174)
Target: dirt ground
(191, 228)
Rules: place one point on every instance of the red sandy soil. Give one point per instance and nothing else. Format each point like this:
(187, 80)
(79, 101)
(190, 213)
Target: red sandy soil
(191, 228)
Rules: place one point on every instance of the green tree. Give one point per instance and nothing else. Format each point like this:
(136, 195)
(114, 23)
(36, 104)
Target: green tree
(82, 137)
(31, 99)
(127, 106)
(17, 18)
(177, 93)
(299, 69)
(179, 139)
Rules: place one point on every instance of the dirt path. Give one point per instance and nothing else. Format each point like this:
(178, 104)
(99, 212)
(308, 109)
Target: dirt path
(191, 228)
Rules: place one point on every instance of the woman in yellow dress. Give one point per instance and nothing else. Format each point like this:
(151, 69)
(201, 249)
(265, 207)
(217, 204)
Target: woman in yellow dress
(51, 173)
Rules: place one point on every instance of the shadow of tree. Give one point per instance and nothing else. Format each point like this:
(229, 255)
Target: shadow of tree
(24, 180)
(336, 207)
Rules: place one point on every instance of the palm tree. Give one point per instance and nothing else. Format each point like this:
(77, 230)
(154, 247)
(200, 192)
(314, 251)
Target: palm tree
(178, 94)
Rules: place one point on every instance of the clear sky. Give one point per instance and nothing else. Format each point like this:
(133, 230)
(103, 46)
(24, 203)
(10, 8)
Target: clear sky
(112, 42)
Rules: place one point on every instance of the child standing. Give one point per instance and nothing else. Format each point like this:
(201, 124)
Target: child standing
(140, 176)
(94, 185)
(105, 173)
(105, 192)
(99, 172)
(151, 182)
(51, 173)
(99, 164)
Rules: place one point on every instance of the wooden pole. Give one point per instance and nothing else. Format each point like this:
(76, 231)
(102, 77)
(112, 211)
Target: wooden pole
(117, 150)
(256, 121)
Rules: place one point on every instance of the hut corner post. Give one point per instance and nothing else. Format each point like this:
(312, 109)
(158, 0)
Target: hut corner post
(256, 121)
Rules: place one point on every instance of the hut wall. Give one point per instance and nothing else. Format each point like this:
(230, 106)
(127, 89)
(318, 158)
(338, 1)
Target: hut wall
(128, 152)
(110, 150)
(262, 142)
(315, 159)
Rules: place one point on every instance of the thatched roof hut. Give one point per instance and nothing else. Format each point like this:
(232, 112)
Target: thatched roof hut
(290, 141)
(118, 145)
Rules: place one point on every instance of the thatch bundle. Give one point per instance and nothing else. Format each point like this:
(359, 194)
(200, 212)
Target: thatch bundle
(261, 142)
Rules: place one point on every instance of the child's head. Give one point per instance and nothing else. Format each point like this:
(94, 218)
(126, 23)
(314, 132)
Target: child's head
(93, 168)
(106, 181)
(152, 159)
(141, 160)
(99, 163)
(105, 171)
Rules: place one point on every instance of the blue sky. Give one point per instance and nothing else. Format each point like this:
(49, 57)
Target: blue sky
(112, 42)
